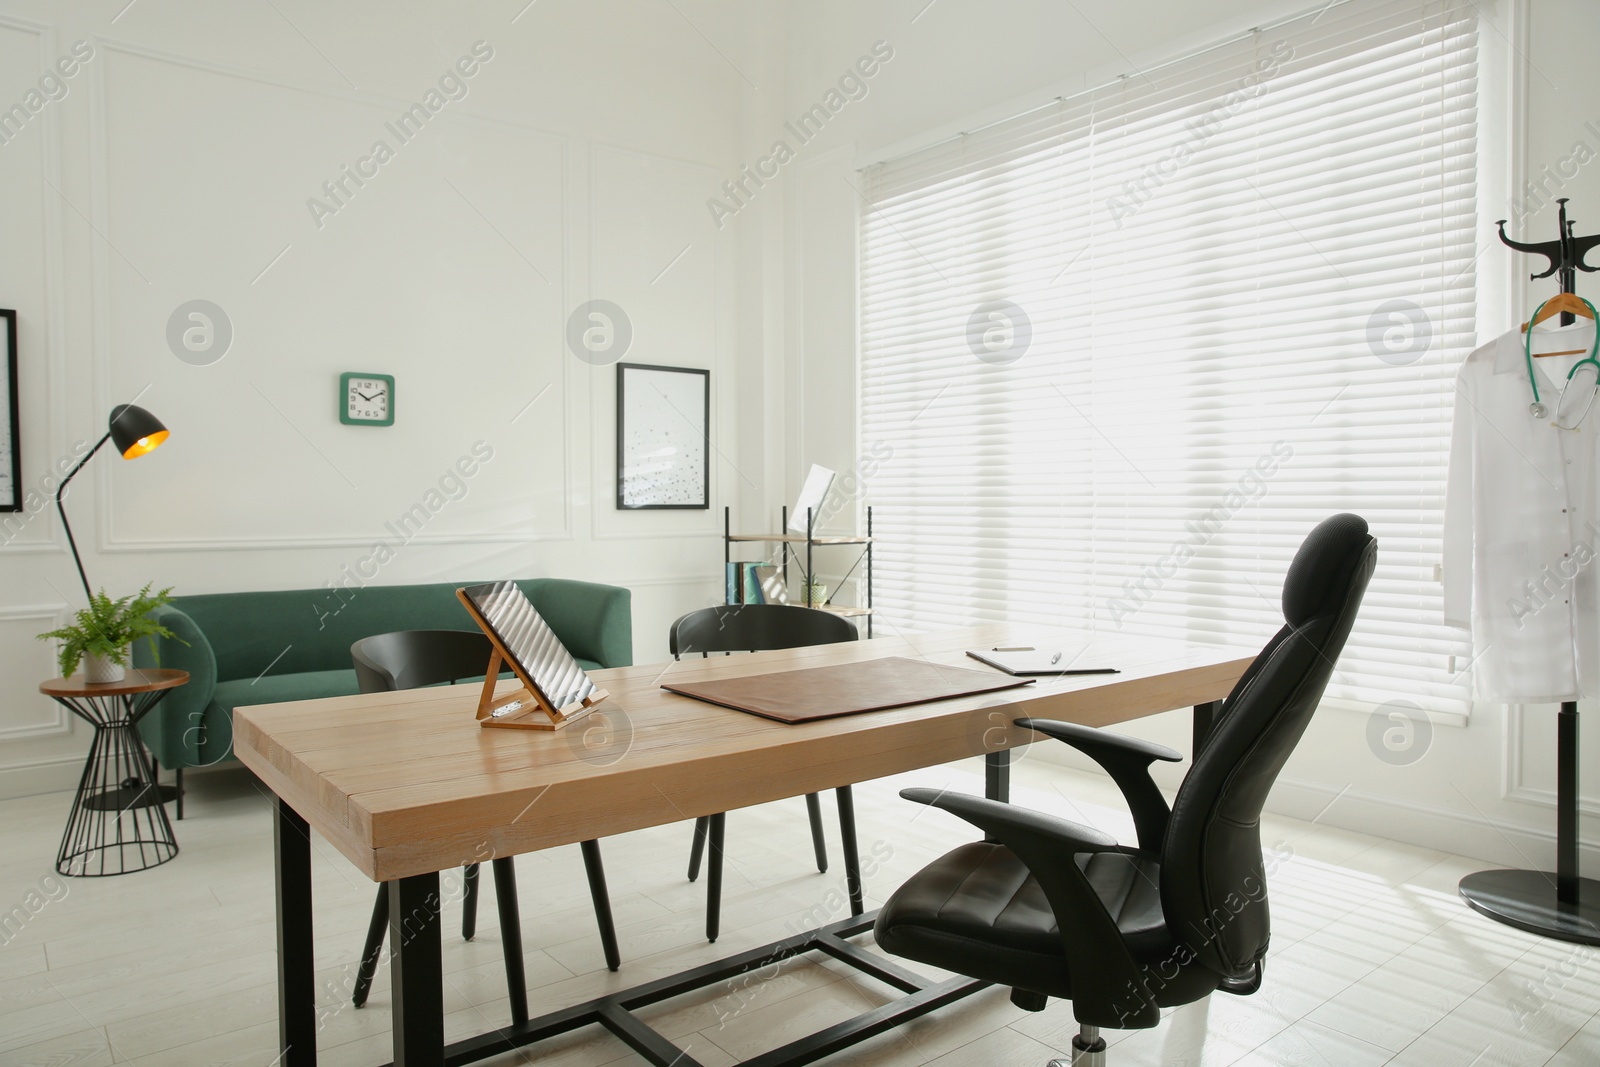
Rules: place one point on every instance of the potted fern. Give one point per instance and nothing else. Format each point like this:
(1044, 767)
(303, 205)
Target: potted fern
(105, 632)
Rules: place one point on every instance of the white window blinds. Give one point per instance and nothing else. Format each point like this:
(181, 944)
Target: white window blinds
(1129, 348)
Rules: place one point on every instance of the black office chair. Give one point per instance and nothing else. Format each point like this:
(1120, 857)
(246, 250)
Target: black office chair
(762, 628)
(411, 659)
(1054, 909)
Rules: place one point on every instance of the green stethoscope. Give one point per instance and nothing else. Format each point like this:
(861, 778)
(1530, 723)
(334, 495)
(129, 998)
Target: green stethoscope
(1537, 409)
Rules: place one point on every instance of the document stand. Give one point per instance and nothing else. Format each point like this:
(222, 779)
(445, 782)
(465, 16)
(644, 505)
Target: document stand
(527, 708)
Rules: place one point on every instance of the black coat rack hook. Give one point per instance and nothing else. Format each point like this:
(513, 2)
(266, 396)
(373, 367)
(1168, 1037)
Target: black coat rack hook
(1566, 253)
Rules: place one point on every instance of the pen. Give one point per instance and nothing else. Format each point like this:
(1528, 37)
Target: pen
(1055, 659)
(1013, 648)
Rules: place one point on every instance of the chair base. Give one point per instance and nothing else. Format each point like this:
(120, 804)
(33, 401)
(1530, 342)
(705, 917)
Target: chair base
(1088, 1050)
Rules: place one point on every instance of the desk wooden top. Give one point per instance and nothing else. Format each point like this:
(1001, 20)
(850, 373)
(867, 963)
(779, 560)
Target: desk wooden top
(407, 783)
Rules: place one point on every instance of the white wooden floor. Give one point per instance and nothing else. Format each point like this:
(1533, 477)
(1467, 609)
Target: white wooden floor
(1375, 959)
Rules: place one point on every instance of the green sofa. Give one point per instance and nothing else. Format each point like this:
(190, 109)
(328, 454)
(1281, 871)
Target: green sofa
(266, 648)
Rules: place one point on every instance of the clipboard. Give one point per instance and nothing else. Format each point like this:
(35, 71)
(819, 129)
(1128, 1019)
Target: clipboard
(1034, 662)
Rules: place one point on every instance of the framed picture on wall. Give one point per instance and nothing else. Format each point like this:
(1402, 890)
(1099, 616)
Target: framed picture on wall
(10, 445)
(663, 437)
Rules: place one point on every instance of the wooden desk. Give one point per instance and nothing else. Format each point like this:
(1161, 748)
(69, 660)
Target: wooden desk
(407, 784)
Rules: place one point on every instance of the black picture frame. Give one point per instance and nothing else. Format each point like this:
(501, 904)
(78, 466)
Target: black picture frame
(11, 463)
(659, 422)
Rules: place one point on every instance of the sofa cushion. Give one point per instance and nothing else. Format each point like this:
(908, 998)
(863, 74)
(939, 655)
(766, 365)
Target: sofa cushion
(277, 688)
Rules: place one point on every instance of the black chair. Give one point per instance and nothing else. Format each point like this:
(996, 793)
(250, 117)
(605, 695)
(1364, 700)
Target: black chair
(1054, 909)
(763, 628)
(411, 659)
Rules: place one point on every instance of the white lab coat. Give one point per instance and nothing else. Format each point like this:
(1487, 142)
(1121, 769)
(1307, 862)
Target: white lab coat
(1521, 526)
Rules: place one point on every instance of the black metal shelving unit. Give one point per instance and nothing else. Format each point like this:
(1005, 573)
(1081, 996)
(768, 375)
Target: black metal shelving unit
(789, 545)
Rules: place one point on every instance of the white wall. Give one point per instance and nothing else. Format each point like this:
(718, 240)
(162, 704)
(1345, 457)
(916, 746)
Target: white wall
(178, 166)
(1485, 789)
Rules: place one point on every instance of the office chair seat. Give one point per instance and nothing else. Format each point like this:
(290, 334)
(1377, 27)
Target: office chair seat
(980, 904)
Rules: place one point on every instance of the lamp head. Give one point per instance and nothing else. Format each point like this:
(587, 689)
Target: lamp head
(135, 431)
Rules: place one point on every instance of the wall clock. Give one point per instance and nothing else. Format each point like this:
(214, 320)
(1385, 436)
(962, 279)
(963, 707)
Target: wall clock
(366, 399)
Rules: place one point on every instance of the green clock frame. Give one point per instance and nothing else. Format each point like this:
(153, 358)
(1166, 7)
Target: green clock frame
(344, 398)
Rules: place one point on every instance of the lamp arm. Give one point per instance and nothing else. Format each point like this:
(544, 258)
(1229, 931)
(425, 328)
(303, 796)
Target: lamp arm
(60, 508)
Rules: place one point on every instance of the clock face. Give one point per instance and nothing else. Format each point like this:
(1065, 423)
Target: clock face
(367, 399)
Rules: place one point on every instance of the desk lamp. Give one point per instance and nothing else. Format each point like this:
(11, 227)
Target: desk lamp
(135, 432)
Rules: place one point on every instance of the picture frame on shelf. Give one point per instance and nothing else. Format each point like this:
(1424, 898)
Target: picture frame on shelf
(663, 438)
(808, 506)
(10, 407)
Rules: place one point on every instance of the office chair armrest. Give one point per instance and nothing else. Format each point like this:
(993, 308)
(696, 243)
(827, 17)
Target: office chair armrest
(1127, 760)
(1095, 951)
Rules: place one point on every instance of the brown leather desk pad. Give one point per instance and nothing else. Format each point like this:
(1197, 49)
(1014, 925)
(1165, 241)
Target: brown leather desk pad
(845, 688)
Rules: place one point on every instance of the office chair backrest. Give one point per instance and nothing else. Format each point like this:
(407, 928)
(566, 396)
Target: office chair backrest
(756, 628)
(410, 659)
(1213, 887)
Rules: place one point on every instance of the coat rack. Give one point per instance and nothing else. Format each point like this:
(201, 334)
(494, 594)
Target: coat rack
(1563, 905)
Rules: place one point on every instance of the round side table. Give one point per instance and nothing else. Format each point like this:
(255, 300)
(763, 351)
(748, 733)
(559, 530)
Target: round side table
(118, 824)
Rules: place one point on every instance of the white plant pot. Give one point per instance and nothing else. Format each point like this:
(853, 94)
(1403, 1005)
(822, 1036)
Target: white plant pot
(97, 670)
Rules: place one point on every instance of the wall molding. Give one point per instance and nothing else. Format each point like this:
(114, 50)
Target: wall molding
(59, 774)
(352, 541)
(604, 517)
(52, 315)
(106, 539)
(61, 724)
(1391, 818)
(1514, 786)
(1424, 824)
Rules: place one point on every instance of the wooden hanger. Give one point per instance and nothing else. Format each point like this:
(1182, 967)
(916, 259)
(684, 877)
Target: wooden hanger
(1567, 303)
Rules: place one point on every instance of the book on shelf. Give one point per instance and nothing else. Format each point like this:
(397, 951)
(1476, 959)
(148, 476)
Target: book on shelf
(755, 583)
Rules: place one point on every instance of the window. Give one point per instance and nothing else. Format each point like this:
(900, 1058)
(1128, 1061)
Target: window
(1123, 351)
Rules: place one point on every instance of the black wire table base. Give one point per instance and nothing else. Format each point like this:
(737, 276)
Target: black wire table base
(118, 824)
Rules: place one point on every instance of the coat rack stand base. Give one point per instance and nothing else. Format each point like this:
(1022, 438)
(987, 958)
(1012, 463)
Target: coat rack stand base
(1560, 905)
(1528, 901)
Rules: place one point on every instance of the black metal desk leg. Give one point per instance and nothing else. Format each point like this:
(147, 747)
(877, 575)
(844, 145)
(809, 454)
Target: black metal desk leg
(416, 971)
(297, 983)
(997, 779)
(1205, 715)
(997, 775)
(505, 893)
(852, 858)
